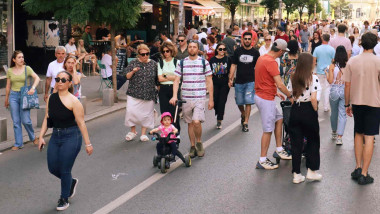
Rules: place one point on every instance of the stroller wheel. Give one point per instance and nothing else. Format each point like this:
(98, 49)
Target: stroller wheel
(187, 161)
(162, 164)
(167, 164)
(155, 161)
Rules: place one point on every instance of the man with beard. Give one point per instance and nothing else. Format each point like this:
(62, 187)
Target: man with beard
(194, 69)
(244, 62)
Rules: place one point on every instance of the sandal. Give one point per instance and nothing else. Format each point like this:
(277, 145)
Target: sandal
(144, 138)
(130, 136)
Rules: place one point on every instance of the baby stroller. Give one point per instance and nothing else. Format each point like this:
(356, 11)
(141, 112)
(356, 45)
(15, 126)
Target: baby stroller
(164, 154)
(286, 144)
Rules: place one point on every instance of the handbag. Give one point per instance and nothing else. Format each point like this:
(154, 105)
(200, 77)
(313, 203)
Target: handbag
(28, 101)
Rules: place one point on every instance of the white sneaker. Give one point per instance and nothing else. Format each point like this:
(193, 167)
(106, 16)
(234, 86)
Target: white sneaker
(267, 164)
(298, 178)
(339, 141)
(334, 135)
(313, 175)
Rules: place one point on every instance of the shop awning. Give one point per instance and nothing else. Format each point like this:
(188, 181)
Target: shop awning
(198, 10)
(146, 7)
(214, 5)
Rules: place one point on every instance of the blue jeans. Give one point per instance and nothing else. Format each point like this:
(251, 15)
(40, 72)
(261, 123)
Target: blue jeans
(64, 146)
(245, 93)
(305, 46)
(20, 116)
(338, 116)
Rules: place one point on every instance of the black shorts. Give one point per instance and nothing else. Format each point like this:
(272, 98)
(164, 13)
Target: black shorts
(366, 119)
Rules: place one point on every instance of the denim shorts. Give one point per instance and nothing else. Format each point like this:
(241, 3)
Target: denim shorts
(245, 93)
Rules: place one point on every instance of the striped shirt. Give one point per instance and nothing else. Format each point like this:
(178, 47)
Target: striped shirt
(194, 78)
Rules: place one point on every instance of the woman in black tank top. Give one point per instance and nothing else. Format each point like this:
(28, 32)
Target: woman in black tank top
(64, 113)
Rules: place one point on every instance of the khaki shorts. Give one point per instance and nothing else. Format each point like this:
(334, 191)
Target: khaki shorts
(193, 110)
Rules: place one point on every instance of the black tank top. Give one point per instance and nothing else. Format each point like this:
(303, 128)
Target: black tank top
(60, 116)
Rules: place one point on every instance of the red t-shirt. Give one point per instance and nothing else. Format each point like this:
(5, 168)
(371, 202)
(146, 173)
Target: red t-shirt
(266, 68)
(254, 37)
(284, 37)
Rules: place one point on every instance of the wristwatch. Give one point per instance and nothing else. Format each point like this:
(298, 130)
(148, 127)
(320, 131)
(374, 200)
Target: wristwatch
(347, 105)
(164, 75)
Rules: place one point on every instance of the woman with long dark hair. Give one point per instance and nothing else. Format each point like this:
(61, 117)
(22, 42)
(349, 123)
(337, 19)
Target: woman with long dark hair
(220, 66)
(303, 120)
(315, 41)
(16, 75)
(334, 75)
(65, 114)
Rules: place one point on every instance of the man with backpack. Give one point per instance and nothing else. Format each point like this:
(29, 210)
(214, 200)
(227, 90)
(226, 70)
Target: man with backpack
(195, 73)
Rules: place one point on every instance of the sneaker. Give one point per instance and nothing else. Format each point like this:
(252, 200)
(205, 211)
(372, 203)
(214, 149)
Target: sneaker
(298, 178)
(192, 152)
(200, 150)
(356, 173)
(73, 188)
(266, 165)
(339, 141)
(218, 125)
(334, 135)
(313, 175)
(283, 155)
(363, 180)
(245, 128)
(62, 204)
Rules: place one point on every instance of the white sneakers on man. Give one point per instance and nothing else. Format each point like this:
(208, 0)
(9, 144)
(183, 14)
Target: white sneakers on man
(313, 175)
(298, 178)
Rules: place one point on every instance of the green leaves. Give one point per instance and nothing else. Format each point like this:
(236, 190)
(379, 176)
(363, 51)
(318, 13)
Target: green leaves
(120, 14)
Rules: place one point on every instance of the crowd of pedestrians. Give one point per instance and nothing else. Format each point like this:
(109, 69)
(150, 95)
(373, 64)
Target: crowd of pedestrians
(307, 64)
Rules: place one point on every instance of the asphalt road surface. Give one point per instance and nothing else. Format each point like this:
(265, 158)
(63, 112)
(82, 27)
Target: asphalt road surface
(119, 176)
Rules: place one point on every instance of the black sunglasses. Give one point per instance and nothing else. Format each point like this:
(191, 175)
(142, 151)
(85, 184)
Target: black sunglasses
(180, 40)
(63, 80)
(247, 39)
(166, 51)
(144, 54)
(222, 49)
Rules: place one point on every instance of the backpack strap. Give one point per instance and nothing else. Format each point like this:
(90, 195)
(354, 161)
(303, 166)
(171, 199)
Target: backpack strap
(204, 64)
(161, 63)
(175, 62)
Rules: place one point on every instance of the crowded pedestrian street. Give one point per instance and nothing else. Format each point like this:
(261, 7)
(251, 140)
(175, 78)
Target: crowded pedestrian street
(119, 177)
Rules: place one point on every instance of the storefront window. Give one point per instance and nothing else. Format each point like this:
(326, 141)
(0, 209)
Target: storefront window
(6, 43)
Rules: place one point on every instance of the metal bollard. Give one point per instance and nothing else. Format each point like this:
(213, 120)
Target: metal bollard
(83, 100)
(41, 116)
(3, 129)
(108, 99)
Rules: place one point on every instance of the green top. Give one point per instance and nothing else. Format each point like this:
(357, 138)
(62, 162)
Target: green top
(87, 39)
(167, 69)
(18, 81)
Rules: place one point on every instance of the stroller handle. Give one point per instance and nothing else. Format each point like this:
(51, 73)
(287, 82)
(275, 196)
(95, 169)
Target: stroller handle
(158, 136)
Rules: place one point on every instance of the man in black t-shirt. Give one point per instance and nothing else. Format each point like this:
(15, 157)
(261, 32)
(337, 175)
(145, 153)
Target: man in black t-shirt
(244, 62)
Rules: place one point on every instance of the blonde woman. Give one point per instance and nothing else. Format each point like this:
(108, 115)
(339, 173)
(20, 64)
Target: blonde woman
(85, 56)
(141, 93)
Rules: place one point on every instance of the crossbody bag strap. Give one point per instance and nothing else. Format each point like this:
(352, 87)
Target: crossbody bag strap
(25, 77)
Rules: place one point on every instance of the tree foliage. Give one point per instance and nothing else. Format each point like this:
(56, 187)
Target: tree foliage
(232, 6)
(341, 8)
(310, 7)
(289, 7)
(119, 14)
(271, 5)
(301, 5)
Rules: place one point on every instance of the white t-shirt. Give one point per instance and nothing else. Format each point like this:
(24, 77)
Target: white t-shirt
(315, 86)
(201, 36)
(208, 50)
(53, 69)
(376, 49)
(70, 48)
(106, 61)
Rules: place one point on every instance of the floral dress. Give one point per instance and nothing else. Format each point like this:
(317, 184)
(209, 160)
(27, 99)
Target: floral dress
(289, 66)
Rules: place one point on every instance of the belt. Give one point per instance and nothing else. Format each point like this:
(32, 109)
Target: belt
(166, 85)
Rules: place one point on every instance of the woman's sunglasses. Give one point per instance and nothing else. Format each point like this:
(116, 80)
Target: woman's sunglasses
(63, 80)
(166, 51)
(268, 39)
(222, 49)
(144, 54)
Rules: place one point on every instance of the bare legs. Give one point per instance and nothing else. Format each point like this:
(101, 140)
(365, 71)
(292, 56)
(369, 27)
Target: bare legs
(363, 153)
(195, 132)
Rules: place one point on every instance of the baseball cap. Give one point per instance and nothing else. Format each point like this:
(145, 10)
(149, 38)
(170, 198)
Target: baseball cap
(281, 44)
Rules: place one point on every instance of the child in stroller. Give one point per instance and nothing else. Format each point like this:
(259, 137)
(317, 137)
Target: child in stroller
(167, 147)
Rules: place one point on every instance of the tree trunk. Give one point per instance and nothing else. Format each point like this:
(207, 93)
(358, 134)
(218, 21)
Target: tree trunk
(300, 11)
(287, 15)
(233, 11)
(113, 52)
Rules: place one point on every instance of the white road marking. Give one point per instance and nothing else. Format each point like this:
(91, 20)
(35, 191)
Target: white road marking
(116, 176)
(156, 177)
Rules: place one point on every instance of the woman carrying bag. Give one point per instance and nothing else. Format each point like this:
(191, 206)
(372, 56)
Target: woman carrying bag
(16, 79)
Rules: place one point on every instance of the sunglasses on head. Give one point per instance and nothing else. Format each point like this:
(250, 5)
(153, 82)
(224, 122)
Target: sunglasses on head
(63, 80)
(144, 54)
(247, 39)
(166, 51)
(222, 49)
(180, 40)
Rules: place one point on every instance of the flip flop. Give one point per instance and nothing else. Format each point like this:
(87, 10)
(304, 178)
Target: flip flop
(130, 136)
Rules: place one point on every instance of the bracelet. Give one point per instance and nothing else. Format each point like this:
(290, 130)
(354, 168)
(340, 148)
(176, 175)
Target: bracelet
(347, 105)
(89, 145)
(34, 88)
(291, 96)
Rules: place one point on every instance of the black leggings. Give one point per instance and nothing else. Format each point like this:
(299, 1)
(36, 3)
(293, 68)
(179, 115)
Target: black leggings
(164, 95)
(221, 91)
(303, 122)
